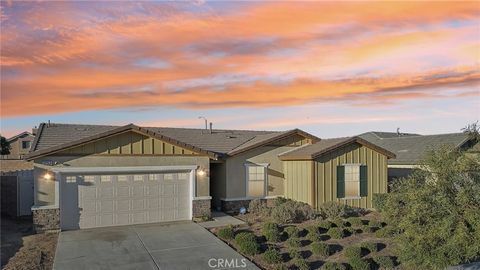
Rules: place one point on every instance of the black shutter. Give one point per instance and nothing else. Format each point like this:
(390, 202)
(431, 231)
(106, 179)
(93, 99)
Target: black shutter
(363, 181)
(340, 181)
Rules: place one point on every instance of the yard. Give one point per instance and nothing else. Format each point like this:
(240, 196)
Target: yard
(312, 241)
(23, 249)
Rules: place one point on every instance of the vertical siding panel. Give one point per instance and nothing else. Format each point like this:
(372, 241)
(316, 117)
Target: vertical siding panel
(168, 148)
(125, 143)
(148, 145)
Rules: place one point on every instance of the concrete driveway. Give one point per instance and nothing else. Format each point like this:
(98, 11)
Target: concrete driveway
(179, 245)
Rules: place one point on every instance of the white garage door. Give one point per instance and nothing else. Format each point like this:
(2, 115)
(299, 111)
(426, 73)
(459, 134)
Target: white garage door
(101, 200)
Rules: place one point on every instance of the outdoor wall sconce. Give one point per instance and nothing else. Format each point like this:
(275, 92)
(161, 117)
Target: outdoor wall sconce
(47, 176)
(201, 172)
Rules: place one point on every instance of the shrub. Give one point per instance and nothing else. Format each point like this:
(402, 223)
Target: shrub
(340, 223)
(247, 243)
(387, 231)
(368, 229)
(292, 231)
(272, 256)
(351, 230)
(257, 206)
(286, 210)
(271, 231)
(384, 262)
(353, 252)
(321, 249)
(355, 221)
(279, 200)
(375, 223)
(359, 264)
(437, 211)
(226, 233)
(333, 266)
(378, 201)
(333, 210)
(324, 224)
(336, 233)
(294, 253)
(293, 242)
(281, 267)
(301, 264)
(313, 233)
(370, 246)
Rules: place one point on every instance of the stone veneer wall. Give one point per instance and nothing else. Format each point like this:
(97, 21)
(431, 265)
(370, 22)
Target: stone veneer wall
(201, 207)
(47, 219)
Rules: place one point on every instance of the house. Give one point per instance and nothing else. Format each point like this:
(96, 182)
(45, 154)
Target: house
(410, 149)
(19, 145)
(346, 170)
(91, 175)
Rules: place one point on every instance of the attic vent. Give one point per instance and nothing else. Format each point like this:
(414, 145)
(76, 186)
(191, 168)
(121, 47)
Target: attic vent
(231, 137)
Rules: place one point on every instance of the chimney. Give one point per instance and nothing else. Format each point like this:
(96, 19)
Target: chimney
(211, 127)
(34, 131)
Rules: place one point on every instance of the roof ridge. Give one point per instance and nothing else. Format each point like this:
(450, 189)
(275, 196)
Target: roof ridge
(428, 135)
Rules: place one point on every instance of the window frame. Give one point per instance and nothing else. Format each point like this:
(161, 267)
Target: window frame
(345, 165)
(27, 142)
(247, 179)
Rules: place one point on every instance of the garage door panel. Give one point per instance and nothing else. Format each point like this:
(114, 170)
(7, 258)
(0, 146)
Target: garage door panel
(110, 199)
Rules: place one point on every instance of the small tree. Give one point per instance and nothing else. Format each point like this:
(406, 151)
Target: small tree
(437, 211)
(4, 146)
(473, 130)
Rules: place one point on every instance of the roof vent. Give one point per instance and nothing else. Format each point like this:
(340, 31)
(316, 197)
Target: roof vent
(231, 137)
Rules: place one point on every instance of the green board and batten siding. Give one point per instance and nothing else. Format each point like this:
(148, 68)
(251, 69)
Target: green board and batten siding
(325, 172)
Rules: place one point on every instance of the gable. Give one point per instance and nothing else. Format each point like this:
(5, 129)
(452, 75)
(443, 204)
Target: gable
(128, 143)
(294, 140)
(351, 153)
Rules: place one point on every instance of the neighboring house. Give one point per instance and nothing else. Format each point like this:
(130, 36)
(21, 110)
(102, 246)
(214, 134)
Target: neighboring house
(347, 170)
(92, 176)
(19, 145)
(410, 149)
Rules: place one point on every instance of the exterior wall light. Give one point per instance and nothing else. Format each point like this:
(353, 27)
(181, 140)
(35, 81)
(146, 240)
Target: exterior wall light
(201, 172)
(47, 176)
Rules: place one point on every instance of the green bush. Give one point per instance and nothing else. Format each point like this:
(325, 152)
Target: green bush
(257, 206)
(271, 231)
(292, 231)
(294, 253)
(340, 223)
(324, 224)
(359, 264)
(280, 267)
(436, 211)
(336, 233)
(247, 243)
(384, 262)
(387, 231)
(368, 229)
(353, 252)
(321, 249)
(370, 246)
(333, 210)
(333, 266)
(355, 221)
(272, 256)
(375, 223)
(313, 233)
(226, 233)
(351, 230)
(301, 264)
(378, 201)
(293, 242)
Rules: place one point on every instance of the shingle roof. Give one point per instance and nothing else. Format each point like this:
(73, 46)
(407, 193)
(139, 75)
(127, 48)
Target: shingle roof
(410, 150)
(19, 135)
(326, 145)
(220, 141)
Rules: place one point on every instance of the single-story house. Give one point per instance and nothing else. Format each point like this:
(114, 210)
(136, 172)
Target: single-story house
(91, 175)
(410, 149)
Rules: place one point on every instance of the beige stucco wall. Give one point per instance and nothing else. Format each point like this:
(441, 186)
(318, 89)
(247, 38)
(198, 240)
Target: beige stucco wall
(236, 172)
(45, 190)
(16, 150)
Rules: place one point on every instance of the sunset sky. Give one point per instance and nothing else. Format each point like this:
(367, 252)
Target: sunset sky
(332, 69)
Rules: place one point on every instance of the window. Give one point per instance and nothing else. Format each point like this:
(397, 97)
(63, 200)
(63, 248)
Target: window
(351, 181)
(122, 178)
(138, 177)
(89, 178)
(105, 178)
(70, 179)
(256, 176)
(26, 144)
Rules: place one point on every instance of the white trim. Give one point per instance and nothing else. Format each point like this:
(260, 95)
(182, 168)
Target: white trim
(403, 166)
(249, 198)
(202, 198)
(43, 207)
(121, 169)
(57, 179)
(265, 181)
